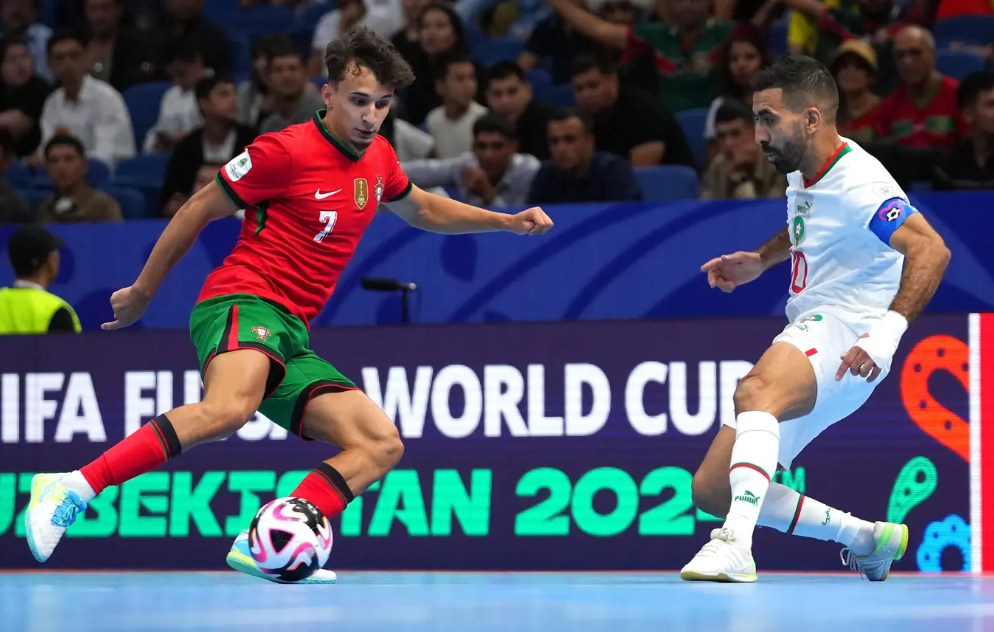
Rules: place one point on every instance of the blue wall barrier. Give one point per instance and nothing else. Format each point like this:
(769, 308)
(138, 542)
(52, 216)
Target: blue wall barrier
(599, 262)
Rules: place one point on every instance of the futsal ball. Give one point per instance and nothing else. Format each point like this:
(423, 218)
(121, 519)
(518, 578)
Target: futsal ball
(290, 539)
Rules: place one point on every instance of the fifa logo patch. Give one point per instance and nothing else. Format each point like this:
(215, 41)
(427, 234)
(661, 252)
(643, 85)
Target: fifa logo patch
(261, 333)
(378, 189)
(361, 192)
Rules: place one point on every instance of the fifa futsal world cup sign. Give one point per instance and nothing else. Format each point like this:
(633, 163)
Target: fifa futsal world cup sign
(529, 446)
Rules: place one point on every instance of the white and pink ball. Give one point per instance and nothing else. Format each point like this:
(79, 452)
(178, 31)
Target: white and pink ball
(290, 539)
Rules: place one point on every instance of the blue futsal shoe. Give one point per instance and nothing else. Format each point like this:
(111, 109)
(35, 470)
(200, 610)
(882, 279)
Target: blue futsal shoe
(240, 559)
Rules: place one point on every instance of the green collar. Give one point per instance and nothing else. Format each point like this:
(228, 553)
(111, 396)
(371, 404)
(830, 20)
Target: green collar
(843, 149)
(347, 151)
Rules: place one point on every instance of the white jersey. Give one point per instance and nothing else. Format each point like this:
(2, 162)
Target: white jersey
(838, 265)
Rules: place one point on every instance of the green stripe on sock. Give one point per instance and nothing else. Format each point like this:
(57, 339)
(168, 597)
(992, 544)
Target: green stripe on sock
(797, 514)
(162, 440)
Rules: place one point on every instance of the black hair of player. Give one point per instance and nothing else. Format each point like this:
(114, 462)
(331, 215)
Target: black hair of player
(366, 49)
(65, 140)
(206, 86)
(505, 69)
(805, 82)
(65, 35)
(972, 86)
(732, 110)
(448, 60)
(586, 63)
(565, 114)
(494, 123)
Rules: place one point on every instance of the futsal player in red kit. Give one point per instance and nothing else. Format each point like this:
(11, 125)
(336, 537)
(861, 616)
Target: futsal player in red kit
(309, 192)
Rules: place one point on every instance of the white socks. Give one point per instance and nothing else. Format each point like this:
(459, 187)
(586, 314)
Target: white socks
(754, 460)
(787, 511)
(74, 481)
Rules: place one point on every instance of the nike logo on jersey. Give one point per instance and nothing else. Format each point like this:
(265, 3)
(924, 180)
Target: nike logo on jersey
(320, 196)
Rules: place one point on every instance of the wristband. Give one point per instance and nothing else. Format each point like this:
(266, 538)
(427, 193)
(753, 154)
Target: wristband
(882, 340)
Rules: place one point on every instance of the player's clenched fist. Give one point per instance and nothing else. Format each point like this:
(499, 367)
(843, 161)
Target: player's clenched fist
(727, 272)
(532, 221)
(128, 305)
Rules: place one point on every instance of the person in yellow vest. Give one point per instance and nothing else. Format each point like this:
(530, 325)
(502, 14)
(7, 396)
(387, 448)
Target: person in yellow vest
(28, 307)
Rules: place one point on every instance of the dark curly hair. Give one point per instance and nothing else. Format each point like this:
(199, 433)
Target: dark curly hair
(367, 49)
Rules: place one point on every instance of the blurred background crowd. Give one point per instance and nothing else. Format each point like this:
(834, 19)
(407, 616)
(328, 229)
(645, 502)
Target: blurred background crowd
(114, 110)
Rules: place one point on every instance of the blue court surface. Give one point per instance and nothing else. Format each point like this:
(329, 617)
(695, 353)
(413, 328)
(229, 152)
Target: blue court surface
(443, 602)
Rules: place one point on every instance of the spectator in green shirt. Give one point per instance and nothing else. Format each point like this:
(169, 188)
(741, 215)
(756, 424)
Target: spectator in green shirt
(685, 53)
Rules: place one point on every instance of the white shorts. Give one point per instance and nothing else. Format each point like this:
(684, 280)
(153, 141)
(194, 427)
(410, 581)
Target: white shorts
(824, 339)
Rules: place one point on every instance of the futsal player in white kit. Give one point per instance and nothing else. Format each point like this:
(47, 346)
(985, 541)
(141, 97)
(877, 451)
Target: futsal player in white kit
(864, 263)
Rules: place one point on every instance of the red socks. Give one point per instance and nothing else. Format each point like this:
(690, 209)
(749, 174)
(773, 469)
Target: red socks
(325, 488)
(156, 442)
(143, 451)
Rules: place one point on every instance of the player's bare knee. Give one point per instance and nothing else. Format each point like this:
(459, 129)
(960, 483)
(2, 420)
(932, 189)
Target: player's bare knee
(388, 449)
(222, 419)
(752, 393)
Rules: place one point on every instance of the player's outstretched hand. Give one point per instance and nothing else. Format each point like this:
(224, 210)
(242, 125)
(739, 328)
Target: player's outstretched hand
(128, 305)
(532, 221)
(858, 362)
(727, 272)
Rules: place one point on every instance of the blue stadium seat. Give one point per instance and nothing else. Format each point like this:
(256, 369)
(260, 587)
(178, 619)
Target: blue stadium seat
(539, 78)
(666, 183)
(144, 167)
(131, 200)
(260, 20)
(958, 63)
(490, 51)
(693, 122)
(219, 10)
(35, 196)
(241, 52)
(778, 37)
(143, 101)
(559, 96)
(969, 29)
(19, 175)
(313, 14)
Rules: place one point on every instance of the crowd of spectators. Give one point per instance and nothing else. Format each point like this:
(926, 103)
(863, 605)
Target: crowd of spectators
(122, 109)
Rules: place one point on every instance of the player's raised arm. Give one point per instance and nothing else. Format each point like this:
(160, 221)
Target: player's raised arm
(206, 205)
(727, 272)
(438, 214)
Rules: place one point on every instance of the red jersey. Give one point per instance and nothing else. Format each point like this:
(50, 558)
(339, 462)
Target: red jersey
(936, 123)
(308, 198)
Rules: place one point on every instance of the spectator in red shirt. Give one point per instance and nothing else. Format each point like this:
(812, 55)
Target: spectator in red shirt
(923, 111)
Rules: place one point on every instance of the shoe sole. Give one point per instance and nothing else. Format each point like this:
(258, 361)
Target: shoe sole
(36, 491)
(245, 564)
(722, 578)
(901, 550)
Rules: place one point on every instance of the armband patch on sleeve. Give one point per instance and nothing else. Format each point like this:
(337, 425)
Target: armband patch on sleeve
(889, 217)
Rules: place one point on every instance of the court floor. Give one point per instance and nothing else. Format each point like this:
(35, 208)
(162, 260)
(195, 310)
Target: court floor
(470, 602)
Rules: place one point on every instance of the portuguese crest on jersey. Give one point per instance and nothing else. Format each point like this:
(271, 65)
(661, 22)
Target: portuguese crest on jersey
(361, 192)
(378, 189)
(261, 333)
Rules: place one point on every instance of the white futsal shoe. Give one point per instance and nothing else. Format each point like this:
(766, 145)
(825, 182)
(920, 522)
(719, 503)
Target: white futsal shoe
(51, 511)
(240, 559)
(721, 560)
(891, 543)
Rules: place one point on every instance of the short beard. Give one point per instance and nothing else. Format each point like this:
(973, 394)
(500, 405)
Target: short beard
(789, 159)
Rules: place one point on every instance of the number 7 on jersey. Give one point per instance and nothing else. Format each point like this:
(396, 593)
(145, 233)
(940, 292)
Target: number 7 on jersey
(328, 218)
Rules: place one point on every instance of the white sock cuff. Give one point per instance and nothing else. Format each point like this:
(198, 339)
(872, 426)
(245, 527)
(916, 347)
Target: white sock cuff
(757, 421)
